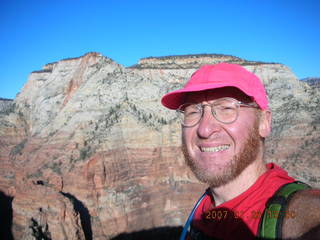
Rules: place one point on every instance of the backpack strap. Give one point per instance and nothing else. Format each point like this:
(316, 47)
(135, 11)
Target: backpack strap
(270, 226)
(186, 227)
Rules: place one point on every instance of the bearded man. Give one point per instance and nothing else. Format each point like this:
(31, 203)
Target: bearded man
(225, 118)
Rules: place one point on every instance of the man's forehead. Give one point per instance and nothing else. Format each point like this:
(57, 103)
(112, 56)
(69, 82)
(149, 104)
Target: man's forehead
(213, 94)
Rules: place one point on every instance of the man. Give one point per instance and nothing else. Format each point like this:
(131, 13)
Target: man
(225, 118)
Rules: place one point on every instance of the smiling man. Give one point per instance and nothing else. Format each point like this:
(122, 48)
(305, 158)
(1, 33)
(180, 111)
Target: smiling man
(225, 118)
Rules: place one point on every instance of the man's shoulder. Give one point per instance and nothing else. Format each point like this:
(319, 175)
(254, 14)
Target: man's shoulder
(304, 219)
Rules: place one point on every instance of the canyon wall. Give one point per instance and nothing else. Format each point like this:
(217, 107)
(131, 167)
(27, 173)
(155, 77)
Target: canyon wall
(88, 152)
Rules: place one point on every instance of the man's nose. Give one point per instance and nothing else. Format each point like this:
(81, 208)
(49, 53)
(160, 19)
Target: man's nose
(208, 124)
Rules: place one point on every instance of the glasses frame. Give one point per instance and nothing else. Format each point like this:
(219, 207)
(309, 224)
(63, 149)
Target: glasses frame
(201, 107)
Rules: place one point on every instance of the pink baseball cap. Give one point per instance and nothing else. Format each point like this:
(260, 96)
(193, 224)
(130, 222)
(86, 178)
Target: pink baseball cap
(218, 76)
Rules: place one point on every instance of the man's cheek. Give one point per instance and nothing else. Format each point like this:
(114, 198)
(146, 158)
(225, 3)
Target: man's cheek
(185, 137)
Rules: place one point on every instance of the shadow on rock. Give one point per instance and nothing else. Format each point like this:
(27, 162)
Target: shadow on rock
(168, 233)
(6, 216)
(80, 208)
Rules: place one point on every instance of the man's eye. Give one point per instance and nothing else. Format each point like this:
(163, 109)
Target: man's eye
(225, 107)
(189, 113)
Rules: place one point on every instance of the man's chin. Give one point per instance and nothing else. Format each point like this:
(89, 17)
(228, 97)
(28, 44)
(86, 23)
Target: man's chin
(214, 178)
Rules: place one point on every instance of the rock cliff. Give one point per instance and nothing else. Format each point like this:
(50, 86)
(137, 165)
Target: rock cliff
(313, 82)
(88, 152)
(6, 105)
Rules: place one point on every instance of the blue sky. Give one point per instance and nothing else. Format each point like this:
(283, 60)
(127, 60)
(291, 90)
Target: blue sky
(34, 33)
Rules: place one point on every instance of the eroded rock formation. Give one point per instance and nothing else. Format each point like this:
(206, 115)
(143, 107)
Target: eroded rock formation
(88, 152)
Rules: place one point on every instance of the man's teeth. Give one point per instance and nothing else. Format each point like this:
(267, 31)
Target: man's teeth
(215, 149)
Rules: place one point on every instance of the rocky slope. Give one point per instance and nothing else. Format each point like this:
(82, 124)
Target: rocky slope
(313, 82)
(6, 105)
(88, 152)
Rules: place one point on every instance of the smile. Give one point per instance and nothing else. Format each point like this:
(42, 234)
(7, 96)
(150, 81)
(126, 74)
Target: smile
(214, 149)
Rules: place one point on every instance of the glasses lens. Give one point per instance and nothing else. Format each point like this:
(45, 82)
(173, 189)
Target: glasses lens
(189, 114)
(225, 110)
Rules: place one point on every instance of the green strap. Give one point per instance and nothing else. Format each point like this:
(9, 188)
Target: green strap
(272, 218)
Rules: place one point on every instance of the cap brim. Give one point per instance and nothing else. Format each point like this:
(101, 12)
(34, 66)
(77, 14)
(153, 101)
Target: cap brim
(176, 98)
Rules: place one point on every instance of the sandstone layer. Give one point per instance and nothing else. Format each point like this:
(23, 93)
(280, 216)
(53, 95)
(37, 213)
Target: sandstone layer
(88, 152)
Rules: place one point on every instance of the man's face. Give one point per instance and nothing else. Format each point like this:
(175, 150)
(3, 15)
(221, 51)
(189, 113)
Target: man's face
(216, 152)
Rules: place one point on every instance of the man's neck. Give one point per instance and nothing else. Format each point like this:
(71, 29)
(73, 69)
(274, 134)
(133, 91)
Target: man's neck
(240, 184)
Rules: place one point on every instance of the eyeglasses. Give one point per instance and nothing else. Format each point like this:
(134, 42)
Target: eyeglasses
(225, 110)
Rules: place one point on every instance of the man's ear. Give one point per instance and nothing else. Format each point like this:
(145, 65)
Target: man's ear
(265, 123)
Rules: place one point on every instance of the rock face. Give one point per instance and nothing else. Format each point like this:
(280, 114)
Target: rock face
(6, 105)
(53, 217)
(88, 152)
(313, 82)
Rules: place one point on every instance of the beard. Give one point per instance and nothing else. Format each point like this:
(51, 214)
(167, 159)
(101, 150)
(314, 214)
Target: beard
(247, 155)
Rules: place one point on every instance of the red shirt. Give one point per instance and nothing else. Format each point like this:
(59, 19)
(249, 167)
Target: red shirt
(239, 217)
